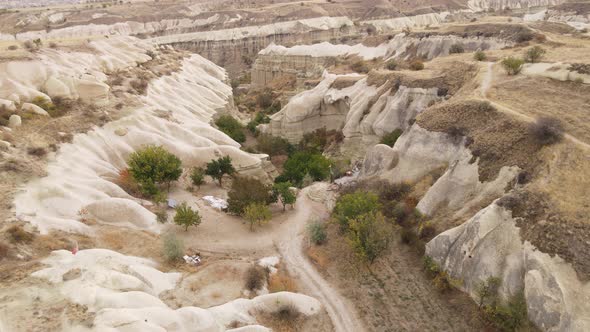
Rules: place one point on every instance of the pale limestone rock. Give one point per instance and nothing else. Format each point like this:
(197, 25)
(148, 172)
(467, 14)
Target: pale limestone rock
(8, 105)
(123, 212)
(14, 121)
(121, 131)
(57, 88)
(28, 107)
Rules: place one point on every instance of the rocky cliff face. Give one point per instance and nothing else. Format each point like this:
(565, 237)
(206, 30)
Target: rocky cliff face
(480, 5)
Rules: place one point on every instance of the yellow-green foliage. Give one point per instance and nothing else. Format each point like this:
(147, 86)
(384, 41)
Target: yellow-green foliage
(369, 235)
(48, 106)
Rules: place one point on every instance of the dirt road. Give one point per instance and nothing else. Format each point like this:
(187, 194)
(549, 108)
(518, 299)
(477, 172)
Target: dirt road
(221, 233)
(290, 246)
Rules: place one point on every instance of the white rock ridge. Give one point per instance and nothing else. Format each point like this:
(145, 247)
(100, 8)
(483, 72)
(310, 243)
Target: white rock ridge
(81, 178)
(123, 291)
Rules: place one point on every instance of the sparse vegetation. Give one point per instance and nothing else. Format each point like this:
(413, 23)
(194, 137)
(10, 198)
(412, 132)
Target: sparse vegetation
(318, 140)
(360, 66)
(172, 247)
(317, 232)
(231, 127)
(220, 167)
(287, 313)
(534, 54)
(416, 65)
(487, 291)
(186, 216)
(391, 138)
(245, 191)
(391, 64)
(256, 213)
(197, 176)
(18, 234)
(440, 278)
(152, 166)
(140, 85)
(546, 130)
(479, 55)
(273, 146)
(512, 65)
(255, 278)
(456, 48)
(48, 106)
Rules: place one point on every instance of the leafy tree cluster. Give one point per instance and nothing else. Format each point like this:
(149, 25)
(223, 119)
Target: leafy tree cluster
(153, 166)
(245, 191)
(366, 228)
(304, 163)
(231, 127)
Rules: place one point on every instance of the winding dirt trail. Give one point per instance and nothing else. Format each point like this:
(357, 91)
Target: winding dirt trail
(486, 83)
(290, 245)
(220, 233)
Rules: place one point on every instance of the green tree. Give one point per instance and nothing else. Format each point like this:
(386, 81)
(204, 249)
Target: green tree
(186, 216)
(256, 214)
(369, 235)
(283, 191)
(351, 206)
(534, 54)
(153, 165)
(231, 127)
(487, 291)
(512, 65)
(220, 167)
(197, 176)
(305, 162)
(245, 191)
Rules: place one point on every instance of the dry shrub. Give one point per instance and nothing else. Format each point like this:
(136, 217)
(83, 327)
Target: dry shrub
(546, 130)
(19, 235)
(281, 282)
(255, 278)
(416, 64)
(128, 183)
(317, 257)
(4, 250)
(287, 313)
(37, 151)
(139, 85)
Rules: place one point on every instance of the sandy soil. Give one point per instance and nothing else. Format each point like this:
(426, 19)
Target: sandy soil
(221, 233)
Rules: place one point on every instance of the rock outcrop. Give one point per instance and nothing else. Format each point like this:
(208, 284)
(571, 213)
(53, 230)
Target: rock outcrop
(489, 245)
(481, 5)
(83, 175)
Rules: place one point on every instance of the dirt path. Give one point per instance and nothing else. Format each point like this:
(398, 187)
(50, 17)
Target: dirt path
(290, 246)
(221, 233)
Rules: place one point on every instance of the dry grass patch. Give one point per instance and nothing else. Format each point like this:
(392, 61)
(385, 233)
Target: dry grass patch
(281, 281)
(18, 234)
(495, 138)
